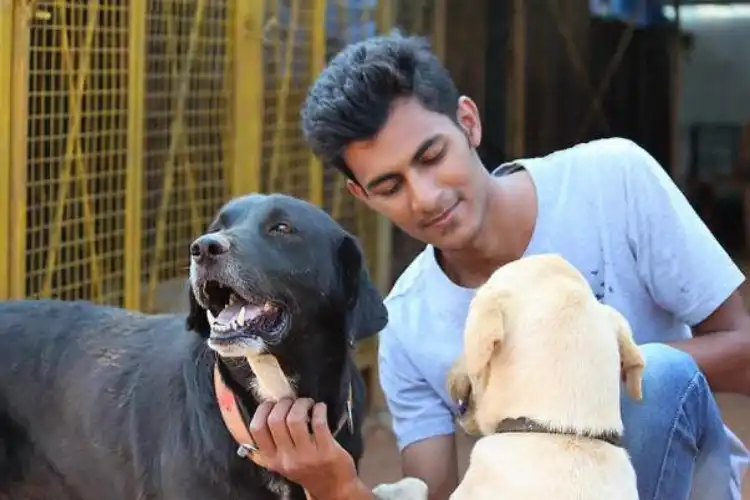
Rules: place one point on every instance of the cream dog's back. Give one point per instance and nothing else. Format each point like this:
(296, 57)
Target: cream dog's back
(546, 467)
(539, 346)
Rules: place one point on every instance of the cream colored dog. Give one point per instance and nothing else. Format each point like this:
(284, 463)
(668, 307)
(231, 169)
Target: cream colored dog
(408, 488)
(540, 379)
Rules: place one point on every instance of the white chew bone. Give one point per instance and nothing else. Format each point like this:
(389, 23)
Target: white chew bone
(271, 383)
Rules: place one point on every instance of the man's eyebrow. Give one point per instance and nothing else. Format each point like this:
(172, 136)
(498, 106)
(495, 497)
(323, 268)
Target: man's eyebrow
(426, 144)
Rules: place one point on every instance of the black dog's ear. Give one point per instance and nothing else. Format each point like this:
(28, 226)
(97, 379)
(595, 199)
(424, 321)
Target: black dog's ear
(196, 319)
(367, 312)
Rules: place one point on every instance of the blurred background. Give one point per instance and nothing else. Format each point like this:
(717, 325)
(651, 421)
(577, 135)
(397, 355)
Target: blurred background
(125, 124)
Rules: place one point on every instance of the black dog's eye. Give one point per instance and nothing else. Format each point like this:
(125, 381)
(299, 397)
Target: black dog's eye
(282, 227)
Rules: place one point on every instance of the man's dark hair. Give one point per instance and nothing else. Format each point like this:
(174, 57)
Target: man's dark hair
(351, 99)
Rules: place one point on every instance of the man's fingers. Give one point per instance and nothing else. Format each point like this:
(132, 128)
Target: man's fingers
(297, 421)
(259, 429)
(277, 424)
(322, 434)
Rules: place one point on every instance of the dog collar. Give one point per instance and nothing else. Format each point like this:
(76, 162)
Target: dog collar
(524, 424)
(236, 421)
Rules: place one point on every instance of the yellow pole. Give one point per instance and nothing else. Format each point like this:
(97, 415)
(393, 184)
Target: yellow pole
(6, 98)
(247, 112)
(439, 21)
(19, 142)
(317, 62)
(134, 184)
(385, 15)
(282, 96)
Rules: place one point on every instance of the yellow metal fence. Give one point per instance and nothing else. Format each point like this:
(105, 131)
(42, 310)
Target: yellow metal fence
(125, 124)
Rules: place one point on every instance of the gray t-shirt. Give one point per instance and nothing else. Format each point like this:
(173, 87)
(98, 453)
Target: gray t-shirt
(608, 208)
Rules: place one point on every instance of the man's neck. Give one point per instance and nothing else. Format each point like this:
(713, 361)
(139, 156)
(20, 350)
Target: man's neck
(510, 217)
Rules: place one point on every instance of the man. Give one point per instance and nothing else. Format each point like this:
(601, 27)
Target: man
(387, 115)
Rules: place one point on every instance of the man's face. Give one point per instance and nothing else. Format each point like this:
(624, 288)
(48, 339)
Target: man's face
(422, 172)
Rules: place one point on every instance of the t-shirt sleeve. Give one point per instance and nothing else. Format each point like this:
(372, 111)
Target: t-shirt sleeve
(417, 410)
(685, 269)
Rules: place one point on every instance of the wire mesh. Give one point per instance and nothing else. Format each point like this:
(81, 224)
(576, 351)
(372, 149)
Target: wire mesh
(78, 121)
(187, 130)
(77, 114)
(287, 74)
(416, 17)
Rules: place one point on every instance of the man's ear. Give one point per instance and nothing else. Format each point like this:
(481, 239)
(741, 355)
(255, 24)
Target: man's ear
(196, 319)
(356, 190)
(367, 313)
(631, 361)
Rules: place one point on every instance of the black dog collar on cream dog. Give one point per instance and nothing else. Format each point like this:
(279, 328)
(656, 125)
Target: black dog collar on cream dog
(523, 424)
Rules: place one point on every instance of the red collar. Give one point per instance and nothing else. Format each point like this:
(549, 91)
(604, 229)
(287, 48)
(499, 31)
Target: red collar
(237, 427)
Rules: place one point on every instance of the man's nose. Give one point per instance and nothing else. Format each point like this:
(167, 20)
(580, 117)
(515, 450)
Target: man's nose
(425, 197)
(209, 246)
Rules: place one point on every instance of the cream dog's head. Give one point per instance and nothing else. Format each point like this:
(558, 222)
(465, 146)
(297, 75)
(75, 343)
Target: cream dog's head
(539, 345)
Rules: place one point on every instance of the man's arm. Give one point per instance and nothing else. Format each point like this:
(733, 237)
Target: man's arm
(720, 347)
(422, 423)
(434, 461)
(686, 270)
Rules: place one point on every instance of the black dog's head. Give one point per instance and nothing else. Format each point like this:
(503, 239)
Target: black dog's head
(273, 270)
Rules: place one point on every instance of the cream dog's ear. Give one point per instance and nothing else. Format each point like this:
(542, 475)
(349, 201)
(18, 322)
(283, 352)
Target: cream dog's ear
(631, 361)
(460, 390)
(485, 330)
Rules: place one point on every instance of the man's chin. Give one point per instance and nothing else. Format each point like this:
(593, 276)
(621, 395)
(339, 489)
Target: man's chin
(453, 239)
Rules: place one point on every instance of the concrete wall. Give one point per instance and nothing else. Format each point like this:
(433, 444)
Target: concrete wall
(716, 73)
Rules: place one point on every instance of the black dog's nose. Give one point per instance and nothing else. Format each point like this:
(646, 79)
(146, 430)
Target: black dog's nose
(209, 246)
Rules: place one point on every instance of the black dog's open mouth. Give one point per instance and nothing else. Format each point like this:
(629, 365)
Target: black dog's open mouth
(233, 317)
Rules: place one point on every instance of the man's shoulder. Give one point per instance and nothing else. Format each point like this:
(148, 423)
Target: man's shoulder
(589, 172)
(599, 154)
(611, 147)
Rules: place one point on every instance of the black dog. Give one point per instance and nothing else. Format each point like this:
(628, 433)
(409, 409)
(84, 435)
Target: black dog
(97, 403)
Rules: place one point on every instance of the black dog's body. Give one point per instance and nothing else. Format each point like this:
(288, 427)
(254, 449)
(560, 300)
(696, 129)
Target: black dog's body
(99, 403)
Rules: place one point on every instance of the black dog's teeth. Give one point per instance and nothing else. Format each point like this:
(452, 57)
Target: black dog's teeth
(218, 296)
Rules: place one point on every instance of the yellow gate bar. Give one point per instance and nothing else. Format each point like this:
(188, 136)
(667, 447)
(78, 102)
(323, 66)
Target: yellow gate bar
(134, 185)
(248, 107)
(317, 62)
(439, 21)
(6, 72)
(385, 15)
(19, 151)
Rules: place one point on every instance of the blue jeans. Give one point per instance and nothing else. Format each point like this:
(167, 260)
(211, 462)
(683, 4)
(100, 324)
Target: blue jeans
(675, 435)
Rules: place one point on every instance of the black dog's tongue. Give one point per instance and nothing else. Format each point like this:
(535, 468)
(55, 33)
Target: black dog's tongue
(240, 312)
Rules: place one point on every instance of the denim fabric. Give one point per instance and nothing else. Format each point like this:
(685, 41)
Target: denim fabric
(675, 435)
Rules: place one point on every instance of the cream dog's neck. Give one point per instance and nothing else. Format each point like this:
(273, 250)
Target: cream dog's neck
(590, 408)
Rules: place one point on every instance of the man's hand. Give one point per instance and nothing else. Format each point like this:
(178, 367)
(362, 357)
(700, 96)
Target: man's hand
(314, 460)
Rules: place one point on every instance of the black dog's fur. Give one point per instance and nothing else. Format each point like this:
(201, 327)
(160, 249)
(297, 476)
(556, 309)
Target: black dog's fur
(99, 403)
